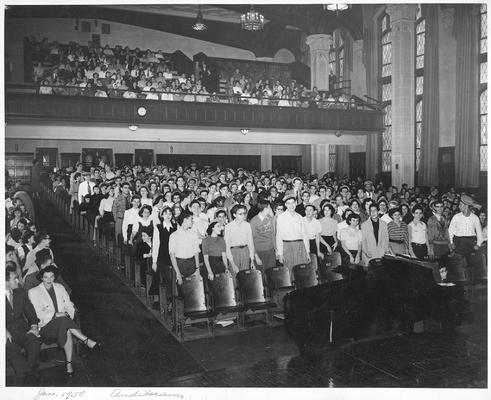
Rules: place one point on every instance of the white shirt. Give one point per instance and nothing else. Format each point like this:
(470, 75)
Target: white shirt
(465, 226)
(290, 227)
(312, 228)
(199, 228)
(342, 225)
(83, 190)
(148, 201)
(351, 237)
(183, 244)
(130, 217)
(106, 205)
(238, 234)
(418, 232)
(386, 218)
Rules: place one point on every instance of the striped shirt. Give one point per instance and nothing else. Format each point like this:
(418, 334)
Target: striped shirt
(398, 232)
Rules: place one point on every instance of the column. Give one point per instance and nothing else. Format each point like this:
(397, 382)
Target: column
(447, 55)
(358, 76)
(403, 17)
(319, 46)
(266, 157)
(319, 159)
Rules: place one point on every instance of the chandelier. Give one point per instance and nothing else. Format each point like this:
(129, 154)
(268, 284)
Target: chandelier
(252, 20)
(336, 7)
(199, 25)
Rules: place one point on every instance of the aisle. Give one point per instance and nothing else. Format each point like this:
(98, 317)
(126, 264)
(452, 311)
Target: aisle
(138, 351)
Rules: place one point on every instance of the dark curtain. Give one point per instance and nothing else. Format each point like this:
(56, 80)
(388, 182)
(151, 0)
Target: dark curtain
(342, 159)
(428, 168)
(466, 30)
(374, 140)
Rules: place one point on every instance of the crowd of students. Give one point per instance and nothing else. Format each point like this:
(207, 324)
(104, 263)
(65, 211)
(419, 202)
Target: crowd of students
(265, 217)
(261, 91)
(37, 309)
(191, 220)
(75, 70)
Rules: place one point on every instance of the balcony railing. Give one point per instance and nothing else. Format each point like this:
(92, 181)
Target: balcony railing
(73, 103)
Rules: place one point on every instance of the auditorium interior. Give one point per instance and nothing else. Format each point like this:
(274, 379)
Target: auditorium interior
(337, 94)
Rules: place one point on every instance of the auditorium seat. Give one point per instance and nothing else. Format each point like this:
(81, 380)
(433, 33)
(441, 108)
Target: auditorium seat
(223, 299)
(305, 276)
(191, 307)
(279, 284)
(252, 295)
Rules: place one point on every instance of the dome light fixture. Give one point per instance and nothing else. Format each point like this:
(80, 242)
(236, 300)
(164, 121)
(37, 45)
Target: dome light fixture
(132, 128)
(252, 20)
(199, 25)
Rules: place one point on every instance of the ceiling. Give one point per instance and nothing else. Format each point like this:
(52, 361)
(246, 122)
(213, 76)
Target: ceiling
(286, 24)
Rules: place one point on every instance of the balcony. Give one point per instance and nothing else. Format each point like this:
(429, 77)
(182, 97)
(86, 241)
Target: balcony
(24, 103)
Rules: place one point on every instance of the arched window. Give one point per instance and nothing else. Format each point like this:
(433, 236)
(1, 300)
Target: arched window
(483, 91)
(386, 89)
(420, 61)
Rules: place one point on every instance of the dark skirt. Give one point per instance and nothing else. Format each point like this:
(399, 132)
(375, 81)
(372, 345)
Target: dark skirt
(312, 246)
(345, 261)
(420, 250)
(330, 241)
(187, 266)
(162, 275)
(57, 329)
(217, 265)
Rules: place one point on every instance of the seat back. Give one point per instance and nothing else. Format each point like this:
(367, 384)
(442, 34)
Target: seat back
(223, 291)
(278, 277)
(326, 273)
(193, 293)
(456, 266)
(304, 276)
(333, 260)
(251, 286)
(479, 266)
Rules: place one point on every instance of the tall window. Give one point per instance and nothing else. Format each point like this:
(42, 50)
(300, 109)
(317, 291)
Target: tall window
(336, 55)
(483, 91)
(386, 90)
(332, 158)
(420, 61)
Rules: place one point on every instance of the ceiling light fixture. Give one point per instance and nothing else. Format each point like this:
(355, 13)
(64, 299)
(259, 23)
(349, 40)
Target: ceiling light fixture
(132, 128)
(199, 25)
(336, 7)
(244, 131)
(252, 20)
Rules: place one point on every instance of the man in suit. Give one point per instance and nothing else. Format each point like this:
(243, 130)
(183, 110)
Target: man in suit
(20, 334)
(375, 236)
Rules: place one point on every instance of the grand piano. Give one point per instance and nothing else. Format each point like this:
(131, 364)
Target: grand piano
(393, 293)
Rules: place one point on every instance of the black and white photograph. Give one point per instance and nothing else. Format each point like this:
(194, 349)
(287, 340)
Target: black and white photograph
(207, 200)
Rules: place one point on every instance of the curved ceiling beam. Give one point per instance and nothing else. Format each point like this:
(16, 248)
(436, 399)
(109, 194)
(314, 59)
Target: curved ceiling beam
(263, 43)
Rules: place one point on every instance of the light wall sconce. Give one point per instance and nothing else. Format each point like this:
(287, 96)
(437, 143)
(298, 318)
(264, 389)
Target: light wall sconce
(132, 128)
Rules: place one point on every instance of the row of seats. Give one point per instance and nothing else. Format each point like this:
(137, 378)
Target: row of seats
(196, 301)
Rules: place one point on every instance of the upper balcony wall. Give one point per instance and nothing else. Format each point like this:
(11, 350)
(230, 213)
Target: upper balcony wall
(30, 107)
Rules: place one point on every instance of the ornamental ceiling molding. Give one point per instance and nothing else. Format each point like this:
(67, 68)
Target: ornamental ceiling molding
(319, 42)
(447, 18)
(398, 12)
